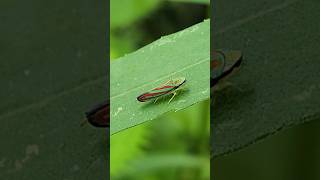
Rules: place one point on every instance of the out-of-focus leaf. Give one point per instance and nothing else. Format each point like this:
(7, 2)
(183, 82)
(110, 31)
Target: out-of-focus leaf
(150, 164)
(182, 54)
(126, 146)
(278, 85)
(120, 45)
(125, 12)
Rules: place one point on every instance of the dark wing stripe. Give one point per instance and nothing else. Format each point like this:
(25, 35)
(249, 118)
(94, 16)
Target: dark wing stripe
(154, 94)
(147, 96)
(164, 87)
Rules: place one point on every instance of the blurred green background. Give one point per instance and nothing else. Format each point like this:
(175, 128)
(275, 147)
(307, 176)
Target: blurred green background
(291, 154)
(136, 23)
(174, 146)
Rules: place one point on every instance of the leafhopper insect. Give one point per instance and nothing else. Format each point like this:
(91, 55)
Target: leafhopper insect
(223, 64)
(170, 87)
(98, 116)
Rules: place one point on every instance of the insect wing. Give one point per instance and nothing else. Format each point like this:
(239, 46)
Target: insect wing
(162, 90)
(217, 64)
(233, 60)
(223, 63)
(156, 92)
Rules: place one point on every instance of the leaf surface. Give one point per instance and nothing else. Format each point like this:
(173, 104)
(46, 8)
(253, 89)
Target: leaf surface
(278, 85)
(182, 54)
(53, 69)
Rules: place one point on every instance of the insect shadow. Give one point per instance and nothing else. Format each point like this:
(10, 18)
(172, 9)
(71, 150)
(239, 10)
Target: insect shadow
(231, 97)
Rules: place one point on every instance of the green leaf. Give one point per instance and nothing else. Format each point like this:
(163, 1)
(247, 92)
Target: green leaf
(278, 84)
(183, 54)
(52, 71)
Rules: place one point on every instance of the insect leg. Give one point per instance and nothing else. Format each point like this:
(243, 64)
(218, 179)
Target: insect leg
(174, 94)
(84, 122)
(155, 100)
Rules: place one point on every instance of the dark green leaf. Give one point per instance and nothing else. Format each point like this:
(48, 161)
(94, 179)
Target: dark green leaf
(52, 66)
(278, 85)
